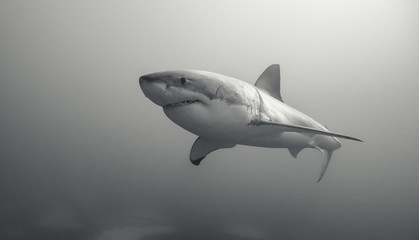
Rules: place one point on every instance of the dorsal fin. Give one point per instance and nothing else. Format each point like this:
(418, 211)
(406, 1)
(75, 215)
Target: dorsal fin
(270, 81)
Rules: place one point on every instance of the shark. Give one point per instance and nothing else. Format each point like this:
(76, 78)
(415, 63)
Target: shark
(224, 111)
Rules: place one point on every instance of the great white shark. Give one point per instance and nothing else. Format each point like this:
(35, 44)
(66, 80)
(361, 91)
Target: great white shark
(223, 112)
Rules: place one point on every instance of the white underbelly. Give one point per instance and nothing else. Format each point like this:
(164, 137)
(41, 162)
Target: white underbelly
(217, 120)
(225, 122)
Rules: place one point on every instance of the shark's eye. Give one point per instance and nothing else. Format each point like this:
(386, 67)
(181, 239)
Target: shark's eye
(182, 80)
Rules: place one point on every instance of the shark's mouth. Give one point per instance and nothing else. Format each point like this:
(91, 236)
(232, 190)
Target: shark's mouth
(182, 103)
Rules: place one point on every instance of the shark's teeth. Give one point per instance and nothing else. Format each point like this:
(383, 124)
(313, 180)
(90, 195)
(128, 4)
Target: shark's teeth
(182, 103)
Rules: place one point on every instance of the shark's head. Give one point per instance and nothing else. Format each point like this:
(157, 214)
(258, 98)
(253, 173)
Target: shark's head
(196, 100)
(174, 89)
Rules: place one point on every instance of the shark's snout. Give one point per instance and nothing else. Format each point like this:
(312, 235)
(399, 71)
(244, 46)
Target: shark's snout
(146, 78)
(147, 81)
(152, 88)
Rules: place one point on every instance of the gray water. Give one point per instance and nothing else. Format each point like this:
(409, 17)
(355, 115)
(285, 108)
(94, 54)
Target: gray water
(84, 155)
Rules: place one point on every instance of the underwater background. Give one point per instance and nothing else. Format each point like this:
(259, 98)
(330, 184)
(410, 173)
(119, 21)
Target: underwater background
(85, 155)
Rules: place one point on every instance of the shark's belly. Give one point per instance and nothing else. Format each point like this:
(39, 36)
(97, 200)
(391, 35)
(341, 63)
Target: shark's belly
(232, 123)
(218, 120)
(237, 123)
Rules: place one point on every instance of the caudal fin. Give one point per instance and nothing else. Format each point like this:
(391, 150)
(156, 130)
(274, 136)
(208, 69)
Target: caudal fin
(326, 161)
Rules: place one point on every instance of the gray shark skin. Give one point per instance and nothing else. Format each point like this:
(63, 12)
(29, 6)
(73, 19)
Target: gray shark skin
(224, 111)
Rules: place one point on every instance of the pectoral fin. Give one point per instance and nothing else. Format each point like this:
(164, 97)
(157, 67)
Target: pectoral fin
(202, 147)
(295, 128)
(294, 151)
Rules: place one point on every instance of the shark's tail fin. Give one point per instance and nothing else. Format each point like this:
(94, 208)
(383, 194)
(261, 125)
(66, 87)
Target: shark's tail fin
(327, 155)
